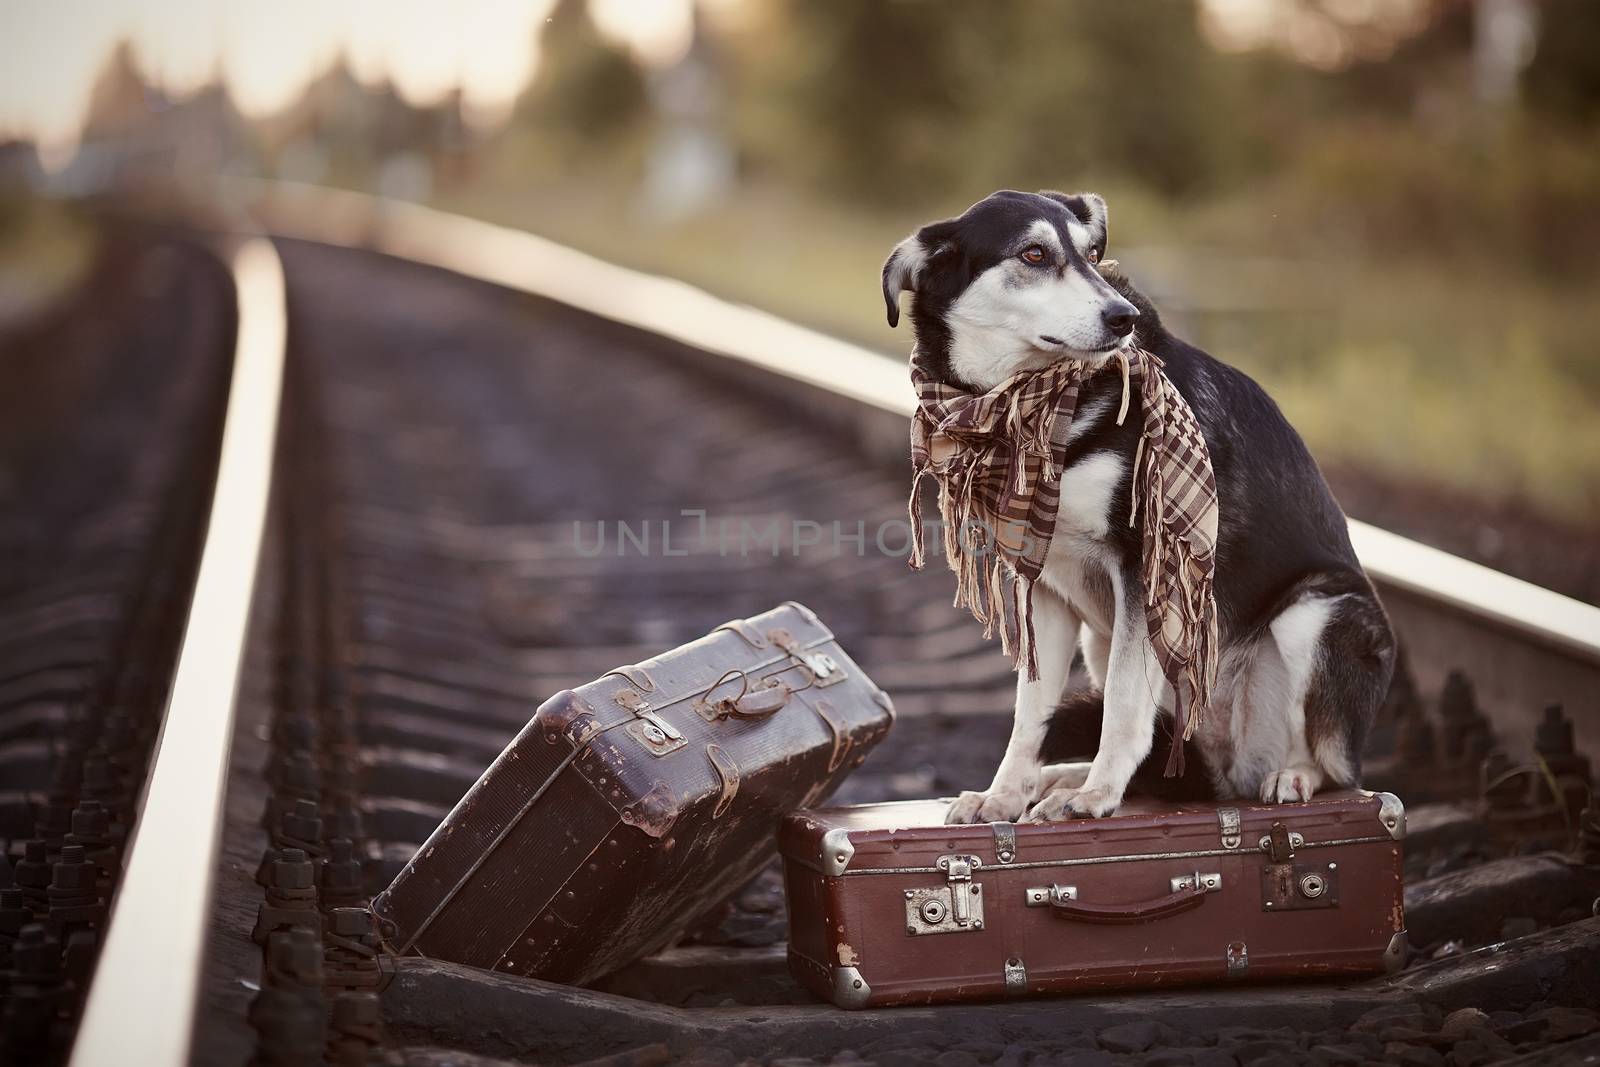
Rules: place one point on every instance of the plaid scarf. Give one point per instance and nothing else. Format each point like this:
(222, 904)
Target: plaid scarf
(998, 456)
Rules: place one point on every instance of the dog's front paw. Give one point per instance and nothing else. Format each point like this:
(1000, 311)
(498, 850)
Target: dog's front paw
(990, 805)
(1290, 785)
(1060, 804)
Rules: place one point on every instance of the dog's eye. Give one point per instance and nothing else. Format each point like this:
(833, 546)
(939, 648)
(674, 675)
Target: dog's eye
(1094, 255)
(1033, 254)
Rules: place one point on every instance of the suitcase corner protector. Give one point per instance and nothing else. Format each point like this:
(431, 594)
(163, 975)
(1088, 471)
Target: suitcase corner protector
(1394, 957)
(1392, 813)
(850, 990)
(836, 851)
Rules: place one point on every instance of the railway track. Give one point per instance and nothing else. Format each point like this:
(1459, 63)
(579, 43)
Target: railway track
(481, 496)
(103, 520)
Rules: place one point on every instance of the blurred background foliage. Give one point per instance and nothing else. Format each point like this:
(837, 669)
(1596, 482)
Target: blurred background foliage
(1385, 210)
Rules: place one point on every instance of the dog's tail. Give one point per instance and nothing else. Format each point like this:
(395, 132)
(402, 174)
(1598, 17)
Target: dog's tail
(1074, 734)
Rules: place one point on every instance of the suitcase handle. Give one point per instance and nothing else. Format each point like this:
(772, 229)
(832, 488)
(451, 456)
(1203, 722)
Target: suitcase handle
(758, 703)
(1137, 912)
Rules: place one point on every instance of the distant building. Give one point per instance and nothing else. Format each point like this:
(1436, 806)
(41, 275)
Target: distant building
(691, 163)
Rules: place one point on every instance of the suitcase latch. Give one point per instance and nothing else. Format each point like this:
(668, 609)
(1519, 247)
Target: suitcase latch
(953, 908)
(655, 733)
(825, 670)
(1279, 845)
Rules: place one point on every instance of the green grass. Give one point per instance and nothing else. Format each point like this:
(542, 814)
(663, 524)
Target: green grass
(1487, 385)
(45, 248)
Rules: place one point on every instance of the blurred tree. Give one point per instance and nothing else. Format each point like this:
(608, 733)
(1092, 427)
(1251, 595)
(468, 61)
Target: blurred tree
(883, 90)
(120, 103)
(1131, 88)
(1564, 78)
(915, 100)
(585, 87)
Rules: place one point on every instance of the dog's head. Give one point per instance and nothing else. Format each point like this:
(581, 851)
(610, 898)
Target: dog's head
(1010, 285)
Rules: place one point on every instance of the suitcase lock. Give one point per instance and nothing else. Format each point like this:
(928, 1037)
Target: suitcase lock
(953, 908)
(656, 734)
(1290, 886)
(1297, 886)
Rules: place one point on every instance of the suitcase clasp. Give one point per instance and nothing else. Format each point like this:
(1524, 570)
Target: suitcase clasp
(958, 872)
(1281, 843)
(825, 670)
(953, 908)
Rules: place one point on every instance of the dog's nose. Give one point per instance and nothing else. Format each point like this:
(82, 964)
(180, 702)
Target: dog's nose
(1119, 317)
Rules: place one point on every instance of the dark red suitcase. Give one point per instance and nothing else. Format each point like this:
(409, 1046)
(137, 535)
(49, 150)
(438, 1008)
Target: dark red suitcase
(628, 806)
(887, 905)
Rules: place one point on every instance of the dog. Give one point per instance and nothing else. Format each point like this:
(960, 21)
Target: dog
(1306, 651)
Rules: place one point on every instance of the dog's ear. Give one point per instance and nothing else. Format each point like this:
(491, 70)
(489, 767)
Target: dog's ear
(905, 264)
(900, 273)
(1089, 209)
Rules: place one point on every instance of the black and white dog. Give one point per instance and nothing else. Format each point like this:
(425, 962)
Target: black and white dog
(1306, 648)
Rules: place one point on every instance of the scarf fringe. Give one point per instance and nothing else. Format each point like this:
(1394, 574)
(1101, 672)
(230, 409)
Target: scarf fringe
(1195, 600)
(981, 576)
(919, 557)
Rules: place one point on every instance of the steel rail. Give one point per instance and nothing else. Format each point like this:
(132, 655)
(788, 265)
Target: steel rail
(143, 997)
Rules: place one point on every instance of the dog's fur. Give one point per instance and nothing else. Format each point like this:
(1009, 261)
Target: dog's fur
(1306, 649)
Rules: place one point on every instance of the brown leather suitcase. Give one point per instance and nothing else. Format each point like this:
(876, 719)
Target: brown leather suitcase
(889, 906)
(628, 806)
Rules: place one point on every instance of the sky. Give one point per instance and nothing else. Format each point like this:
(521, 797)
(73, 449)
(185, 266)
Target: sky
(265, 51)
